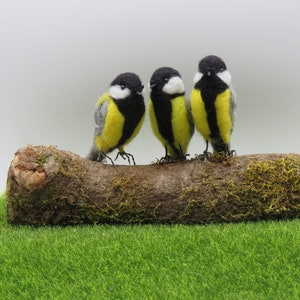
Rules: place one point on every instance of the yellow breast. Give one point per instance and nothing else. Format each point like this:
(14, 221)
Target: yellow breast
(224, 120)
(199, 114)
(222, 111)
(180, 124)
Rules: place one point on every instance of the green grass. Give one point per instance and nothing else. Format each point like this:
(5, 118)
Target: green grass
(233, 261)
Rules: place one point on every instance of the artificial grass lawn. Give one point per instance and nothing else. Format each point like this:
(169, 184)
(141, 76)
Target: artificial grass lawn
(229, 261)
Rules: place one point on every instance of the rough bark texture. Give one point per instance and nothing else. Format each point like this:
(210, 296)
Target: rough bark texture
(47, 186)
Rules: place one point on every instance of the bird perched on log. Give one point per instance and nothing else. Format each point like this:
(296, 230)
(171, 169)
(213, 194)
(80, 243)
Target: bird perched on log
(119, 115)
(213, 104)
(169, 112)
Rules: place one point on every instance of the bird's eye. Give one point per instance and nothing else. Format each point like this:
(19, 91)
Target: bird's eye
(123, 87)
(166, 80)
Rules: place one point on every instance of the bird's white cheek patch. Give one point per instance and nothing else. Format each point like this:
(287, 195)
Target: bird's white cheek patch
(174, 86)
(225, 76)
(197, 77)
(116, 92)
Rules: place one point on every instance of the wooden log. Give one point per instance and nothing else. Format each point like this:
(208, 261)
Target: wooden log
(47, 186)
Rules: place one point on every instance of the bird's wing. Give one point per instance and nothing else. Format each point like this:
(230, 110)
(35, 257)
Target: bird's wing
(232, 104)
(100, 113)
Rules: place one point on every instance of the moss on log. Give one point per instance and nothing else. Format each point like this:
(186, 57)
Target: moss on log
(47, 186)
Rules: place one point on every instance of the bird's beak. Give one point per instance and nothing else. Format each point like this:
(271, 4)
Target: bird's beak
(151, 86)
(140, 91)
(208, 73)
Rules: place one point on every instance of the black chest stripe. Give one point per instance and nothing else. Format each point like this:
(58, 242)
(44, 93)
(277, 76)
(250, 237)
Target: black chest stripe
(163, 111)
(210, 87)
(133, 110)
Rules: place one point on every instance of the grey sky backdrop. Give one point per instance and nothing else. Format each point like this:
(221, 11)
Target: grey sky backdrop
(58, 56)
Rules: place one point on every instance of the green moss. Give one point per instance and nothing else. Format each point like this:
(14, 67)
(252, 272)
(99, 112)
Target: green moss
(265, 189)
(276, 183)
(42, 154)
(124, 207)
(268, 189)
(41, 159)
(189, 207)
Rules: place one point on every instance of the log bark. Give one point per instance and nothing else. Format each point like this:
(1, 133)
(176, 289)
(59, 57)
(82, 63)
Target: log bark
(47, 186)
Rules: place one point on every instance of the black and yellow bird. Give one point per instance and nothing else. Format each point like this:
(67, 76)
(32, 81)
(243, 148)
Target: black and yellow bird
(169, 112)
(119, 115)
(213, 103)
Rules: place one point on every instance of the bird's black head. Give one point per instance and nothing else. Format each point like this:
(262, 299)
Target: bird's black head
(212, 64)
(213, 69)
(124, 85)
(167, 80)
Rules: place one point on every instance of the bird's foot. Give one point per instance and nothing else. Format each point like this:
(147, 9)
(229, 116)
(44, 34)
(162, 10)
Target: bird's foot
(205, 156)
(165, 160)
(102, 156)
(223, 156)
(231, 153)
(125, 156)
(172, 159)
(183, 157)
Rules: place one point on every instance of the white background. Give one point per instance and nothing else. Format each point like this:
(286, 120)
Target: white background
(58, 56)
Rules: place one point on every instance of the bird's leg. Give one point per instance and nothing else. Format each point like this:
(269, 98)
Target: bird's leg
(102, 156)
(166, 151)
(206, 154)
(167, 158)
(125, 156)
(182, 157)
